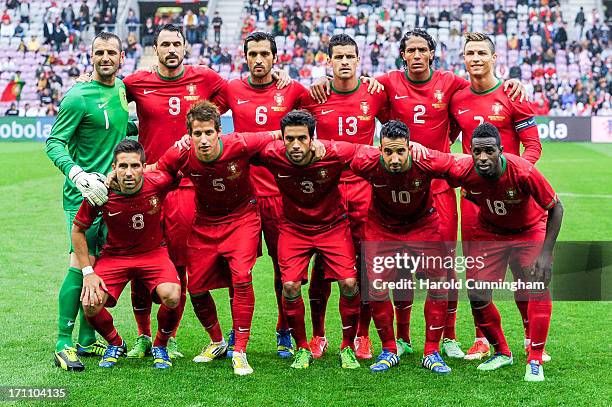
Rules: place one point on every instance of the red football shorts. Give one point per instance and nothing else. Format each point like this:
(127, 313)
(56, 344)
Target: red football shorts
(270, 211)
(151, 268)
(356, 197)
(497, 251)
(209, 245)
(333, 246)
(421, 239)
(178, 213)
(446, 205)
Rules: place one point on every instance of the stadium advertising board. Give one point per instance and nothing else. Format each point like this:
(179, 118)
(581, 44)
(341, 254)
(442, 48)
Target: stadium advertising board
(601, 129)
(564, 128)
(25, 128)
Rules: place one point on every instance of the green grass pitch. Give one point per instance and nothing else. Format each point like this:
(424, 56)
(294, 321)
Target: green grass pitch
(33, 263)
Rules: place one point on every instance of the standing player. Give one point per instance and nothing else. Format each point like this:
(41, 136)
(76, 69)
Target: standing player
(314, 220)
(258, 105)
(92, 119)
(485, 101)
(349, 114)
(163, 98)
(226, 225)
(401, 211)
(420, 97)
(133, 251)
(519, 209)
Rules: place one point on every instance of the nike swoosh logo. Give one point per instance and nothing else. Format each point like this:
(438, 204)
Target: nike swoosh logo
(243, 329)
(475, 193)
(462, 111)
(326, 111)
(195, 175)
(70, 323)
(114, 214)
(139, 309)
(398, 97)
(102, 105)
(241, 102)
(283, 176)
(347, 327)
(433, 328)
(538, 344)
(379, 186)
(165, 332)
(146, 92)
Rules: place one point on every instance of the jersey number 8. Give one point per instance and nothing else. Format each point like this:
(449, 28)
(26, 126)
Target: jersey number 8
(138, 221)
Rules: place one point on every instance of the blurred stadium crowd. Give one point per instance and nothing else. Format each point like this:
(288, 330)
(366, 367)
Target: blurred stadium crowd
(566, 60)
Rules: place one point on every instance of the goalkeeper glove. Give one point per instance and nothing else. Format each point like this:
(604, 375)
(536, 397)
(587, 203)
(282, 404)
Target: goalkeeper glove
(91, 185)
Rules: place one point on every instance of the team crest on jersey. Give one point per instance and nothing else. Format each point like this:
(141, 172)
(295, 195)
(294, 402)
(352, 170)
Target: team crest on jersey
(279, 99)
(365, 108)
(191, 89)
(439, 95)
(154, 202)
(417, 183)
(497, 108)
(512, 196)
(323, 175)
(234, 169)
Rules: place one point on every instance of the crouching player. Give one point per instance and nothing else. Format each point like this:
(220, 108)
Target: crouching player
(402, 219)
(133, 251)
(518, 222)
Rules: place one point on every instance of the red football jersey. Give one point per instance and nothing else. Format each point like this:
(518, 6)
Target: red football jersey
(311, 198)
(347, 116)
(514, 202)
(133, 221)
(514, 120)
(223, 186)
(162, 104)
(261, 108)
(423, 107)
(400, 199)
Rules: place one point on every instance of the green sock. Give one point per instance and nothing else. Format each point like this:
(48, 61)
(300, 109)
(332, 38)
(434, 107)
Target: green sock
(87, 335)
(69, 304)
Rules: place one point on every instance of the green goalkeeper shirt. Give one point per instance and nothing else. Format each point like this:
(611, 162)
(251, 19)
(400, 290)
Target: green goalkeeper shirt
(92, 119)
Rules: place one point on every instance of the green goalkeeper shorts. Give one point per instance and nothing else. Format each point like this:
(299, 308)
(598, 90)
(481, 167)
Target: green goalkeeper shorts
(96, 234)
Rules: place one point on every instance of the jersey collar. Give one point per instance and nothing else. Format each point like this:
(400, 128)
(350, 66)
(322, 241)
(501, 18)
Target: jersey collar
(504, 166)
(347, 92)
(171, 78)
(257, 85)
(486, 92)
(419, 82)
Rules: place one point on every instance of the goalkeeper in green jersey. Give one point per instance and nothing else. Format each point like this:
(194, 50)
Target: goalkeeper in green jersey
(92, 119)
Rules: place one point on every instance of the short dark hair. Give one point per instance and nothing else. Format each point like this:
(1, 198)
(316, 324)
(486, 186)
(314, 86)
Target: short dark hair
(417, 32)
(105, 36)
(395, 129)
(260, 36)
(168, 27)
(204, 111)
(487, 130)
(339, 40)
(299, 118)
(477, 37)
(129, 146)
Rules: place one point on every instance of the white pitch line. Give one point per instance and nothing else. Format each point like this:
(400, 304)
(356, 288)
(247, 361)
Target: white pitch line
(596, 196)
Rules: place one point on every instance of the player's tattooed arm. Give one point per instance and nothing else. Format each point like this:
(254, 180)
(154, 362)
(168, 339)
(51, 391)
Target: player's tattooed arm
(515, 88)
(542, 270)
(282, 78)
(321, 88)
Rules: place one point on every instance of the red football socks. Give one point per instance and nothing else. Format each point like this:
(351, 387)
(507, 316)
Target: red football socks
(539, 311)
(103, 323)
(488, 320)
(435, 318)
(243, 307)
(206, 311)
(349, 314)
(382, 314)
(318, 293)
(402, 317)
(141, 304)
(167, 321)
(295, 311)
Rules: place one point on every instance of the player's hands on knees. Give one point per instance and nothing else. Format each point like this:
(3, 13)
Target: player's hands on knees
(418, 151)
(184, 143)
(320, 89)
(92, 293)
(90, 185)
(515, 88)
(542, 269)
(318, 148)
(84, 78)
(373, 85)
(282, 78)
